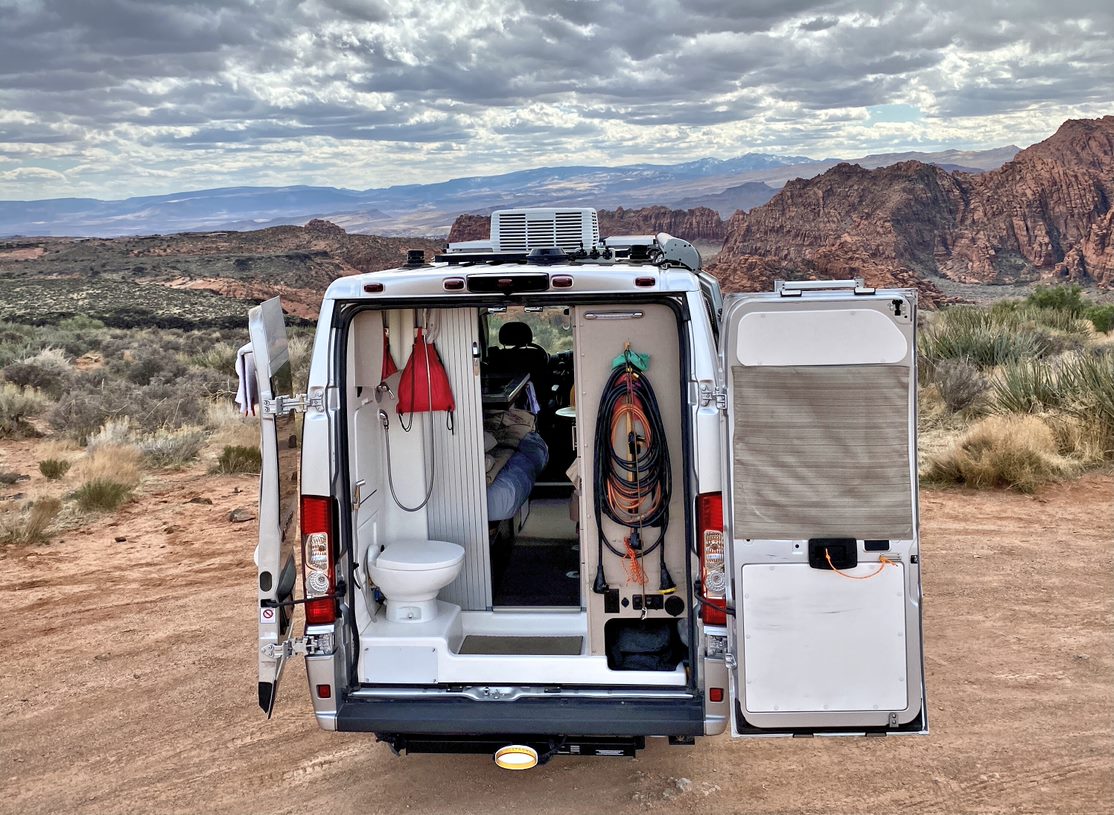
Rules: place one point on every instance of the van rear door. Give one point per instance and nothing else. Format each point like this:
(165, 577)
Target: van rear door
(278, 497)
(821, 510)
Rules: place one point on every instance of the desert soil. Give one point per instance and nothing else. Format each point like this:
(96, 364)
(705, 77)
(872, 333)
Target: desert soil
(128, 683)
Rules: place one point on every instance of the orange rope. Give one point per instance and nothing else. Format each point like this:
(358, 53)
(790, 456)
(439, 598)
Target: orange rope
(883, 561)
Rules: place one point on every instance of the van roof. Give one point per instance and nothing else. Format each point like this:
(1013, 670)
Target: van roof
(430, 280)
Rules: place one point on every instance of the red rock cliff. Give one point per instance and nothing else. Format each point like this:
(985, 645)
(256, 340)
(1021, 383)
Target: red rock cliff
(1045, 214)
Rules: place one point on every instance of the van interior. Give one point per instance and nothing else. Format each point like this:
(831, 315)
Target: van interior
(476, 530)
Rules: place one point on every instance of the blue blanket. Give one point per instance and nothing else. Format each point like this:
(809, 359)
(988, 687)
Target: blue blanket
(512, 487)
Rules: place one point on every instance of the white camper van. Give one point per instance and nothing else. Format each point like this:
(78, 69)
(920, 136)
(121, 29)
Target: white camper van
(548, 494)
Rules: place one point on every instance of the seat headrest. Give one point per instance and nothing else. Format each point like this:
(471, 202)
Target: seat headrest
(515, 334)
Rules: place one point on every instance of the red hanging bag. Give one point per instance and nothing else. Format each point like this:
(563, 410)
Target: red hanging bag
(389, 367)
(424, 386)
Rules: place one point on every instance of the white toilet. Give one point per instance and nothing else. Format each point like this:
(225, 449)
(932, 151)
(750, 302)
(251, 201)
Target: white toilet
(410, 573)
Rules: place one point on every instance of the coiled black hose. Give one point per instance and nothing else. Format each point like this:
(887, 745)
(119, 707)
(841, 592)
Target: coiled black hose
(633, 481)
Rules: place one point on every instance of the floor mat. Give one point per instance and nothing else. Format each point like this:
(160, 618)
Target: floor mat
(513, 646)
(540, 574)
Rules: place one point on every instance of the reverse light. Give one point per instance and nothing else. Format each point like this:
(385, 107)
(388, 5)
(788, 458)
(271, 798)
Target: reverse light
(317, 559)
(713, 564)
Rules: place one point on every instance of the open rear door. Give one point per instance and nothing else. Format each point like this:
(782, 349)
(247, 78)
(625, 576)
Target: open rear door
(822, 513)
(278, 497)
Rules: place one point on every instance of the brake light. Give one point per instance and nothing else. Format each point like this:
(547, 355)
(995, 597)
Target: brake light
(713, 565)
(317, 559)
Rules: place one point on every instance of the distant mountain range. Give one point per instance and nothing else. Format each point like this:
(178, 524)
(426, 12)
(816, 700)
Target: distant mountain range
(725, 185)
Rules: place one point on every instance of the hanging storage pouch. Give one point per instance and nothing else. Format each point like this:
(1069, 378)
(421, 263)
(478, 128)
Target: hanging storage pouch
(424, 386)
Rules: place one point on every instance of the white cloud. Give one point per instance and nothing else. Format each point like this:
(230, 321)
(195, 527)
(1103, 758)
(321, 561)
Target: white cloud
(121, 97)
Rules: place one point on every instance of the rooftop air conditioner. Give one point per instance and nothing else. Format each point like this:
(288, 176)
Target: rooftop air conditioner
(520, 230)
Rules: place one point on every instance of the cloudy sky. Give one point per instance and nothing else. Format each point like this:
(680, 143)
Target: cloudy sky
(112, 98)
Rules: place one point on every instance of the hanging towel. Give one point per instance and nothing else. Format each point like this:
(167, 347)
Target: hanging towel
(424, 386)
(247, 388)
(389, 366)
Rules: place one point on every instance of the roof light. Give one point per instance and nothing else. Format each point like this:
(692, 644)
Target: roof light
(373, 288)
(644, 281)
(454, 284)
(561, 281)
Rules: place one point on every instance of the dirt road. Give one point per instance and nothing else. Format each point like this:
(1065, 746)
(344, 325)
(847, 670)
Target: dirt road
(128, 685)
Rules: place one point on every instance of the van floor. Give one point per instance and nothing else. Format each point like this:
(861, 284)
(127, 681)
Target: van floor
(544, 564)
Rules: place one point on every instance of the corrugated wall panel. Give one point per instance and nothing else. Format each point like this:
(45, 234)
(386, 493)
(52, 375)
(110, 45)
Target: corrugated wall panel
(457, 509)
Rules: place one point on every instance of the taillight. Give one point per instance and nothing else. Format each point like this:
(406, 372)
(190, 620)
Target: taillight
(713, 564)
(317, 559)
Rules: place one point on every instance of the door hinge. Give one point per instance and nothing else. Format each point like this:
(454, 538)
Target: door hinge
(710, 395)
(299, 403)
(309, 646)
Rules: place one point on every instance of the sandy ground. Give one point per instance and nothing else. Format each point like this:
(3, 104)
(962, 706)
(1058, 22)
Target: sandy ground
(128, 684)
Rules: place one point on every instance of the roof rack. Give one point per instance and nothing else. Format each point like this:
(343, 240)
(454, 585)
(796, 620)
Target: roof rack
(517, 234)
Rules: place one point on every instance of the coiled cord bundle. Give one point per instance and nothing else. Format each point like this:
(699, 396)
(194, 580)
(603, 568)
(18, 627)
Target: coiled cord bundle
(633, 476)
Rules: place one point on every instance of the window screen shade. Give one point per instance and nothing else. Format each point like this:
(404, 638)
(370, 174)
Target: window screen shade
(822, 451)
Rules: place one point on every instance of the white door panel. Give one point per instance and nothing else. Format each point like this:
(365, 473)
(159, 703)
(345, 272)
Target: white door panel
(821, 512)
(278, 496)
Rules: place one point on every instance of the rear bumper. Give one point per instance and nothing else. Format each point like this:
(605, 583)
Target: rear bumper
(458, 716)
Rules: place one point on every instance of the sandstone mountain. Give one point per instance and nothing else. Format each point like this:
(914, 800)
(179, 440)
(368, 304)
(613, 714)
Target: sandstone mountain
(698, 224)
(1046, 214)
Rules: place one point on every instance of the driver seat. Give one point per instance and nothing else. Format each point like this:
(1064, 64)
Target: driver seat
(520, 355)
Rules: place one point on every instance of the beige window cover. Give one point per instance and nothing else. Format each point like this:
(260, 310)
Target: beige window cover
(822, 451)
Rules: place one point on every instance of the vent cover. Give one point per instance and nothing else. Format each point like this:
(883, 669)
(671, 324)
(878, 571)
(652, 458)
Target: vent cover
(520, 230)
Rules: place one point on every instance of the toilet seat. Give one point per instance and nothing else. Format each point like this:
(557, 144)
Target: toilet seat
(419, 555)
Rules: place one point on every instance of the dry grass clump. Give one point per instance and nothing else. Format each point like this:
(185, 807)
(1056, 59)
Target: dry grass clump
(230, 427)
(1019, 452)
(18, 406)
(31, 524)
(111, 462)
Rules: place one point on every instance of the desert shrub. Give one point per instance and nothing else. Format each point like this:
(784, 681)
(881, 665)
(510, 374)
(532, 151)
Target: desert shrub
(969, 334)
(30, 525)
(92, 401)
(54, 468)
(154, 366)
(1068, 298)
(959, 383)
(102, 495)
(220, 357)
(17, 406)
(1026, 386)
(230, 427)
(1019, 452)
(237, 459)
(1101, 317)
(172, 448)
(113, 433)
(1087, 381)
(47, 371)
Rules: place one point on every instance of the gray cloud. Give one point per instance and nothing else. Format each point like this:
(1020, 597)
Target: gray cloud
(157, 95)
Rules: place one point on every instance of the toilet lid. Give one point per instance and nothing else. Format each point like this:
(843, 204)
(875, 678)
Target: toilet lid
(419, 555)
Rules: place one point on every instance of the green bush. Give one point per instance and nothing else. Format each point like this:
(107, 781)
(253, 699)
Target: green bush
(102, 495)
(237, 459)
(54, 468)
(1101, 317)
(1067, 298)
